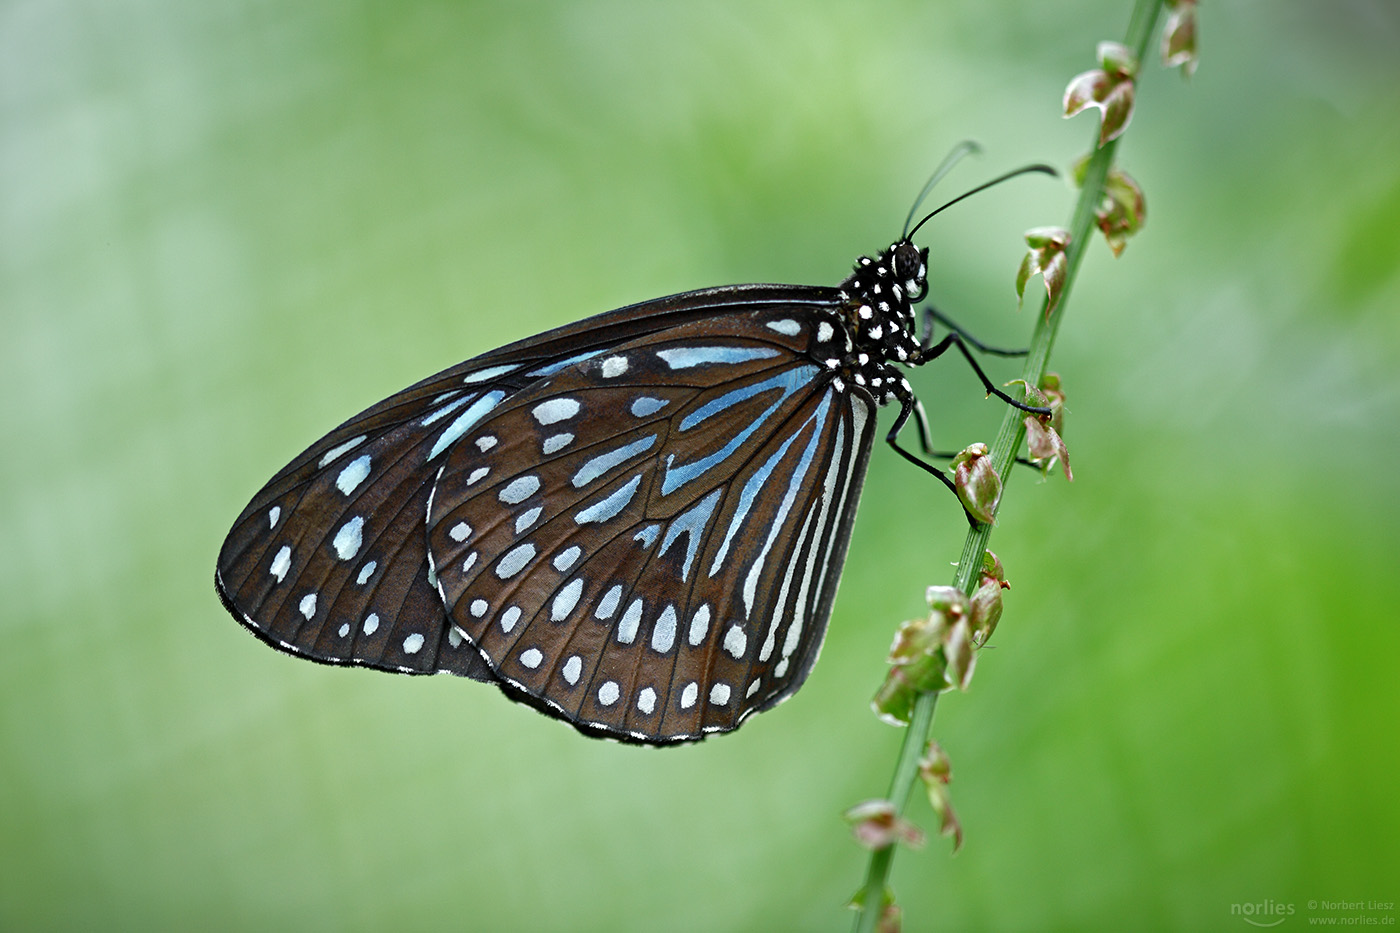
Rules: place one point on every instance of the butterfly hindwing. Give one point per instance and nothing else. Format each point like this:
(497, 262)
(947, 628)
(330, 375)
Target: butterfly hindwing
(647, 543)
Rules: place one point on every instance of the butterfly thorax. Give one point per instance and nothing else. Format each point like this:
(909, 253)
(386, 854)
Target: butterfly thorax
(878, 313)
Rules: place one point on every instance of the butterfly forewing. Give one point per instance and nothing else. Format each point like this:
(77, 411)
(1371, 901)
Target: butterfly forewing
(642, 543)
(330, 560)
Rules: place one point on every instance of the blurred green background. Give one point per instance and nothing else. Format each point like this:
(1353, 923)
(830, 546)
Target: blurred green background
(225, 226)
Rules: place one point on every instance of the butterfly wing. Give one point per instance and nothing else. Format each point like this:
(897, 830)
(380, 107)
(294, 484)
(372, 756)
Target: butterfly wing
(647, 544)
(329, 559)
(328, 564)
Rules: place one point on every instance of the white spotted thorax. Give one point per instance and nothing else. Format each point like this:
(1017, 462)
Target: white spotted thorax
(878, 301)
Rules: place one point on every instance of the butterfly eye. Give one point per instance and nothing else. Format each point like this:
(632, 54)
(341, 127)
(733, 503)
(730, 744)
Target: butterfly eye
(910, 268)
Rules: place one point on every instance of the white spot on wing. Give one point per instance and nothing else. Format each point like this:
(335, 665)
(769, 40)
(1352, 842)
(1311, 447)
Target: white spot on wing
(735, 642)
(566, 600)
(555, 410)
(614, 366)
(478, 608)
(646, 700)
(348, 538)
(699, 624)
(787, 327)
(567, 557)
(531, 658)
(608, 693)
(515, 560)
(413, 644)
(282, 563)
(526, 519)
(460, 532)
(485, 443)
(556, 442)
(273, 514)
(519, 489)
(608, 604)
(353, 475)
(630, 621)
(308, 605)
(371, 623)
(719, 694)
(689, 695)
(572, 669)
(509, 618)
(664, 635)
(366, 572)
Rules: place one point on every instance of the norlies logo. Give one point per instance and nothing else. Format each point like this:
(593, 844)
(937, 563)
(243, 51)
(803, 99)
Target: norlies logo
(1267, 913)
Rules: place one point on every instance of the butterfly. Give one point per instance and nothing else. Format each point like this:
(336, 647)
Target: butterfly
(635, 523)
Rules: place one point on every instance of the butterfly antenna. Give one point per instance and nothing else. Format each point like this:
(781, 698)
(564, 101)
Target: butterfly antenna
(965, 148)
(1042, 169)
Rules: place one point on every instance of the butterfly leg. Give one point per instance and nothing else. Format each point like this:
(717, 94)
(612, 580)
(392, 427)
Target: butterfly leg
(955, 339)
(932, 314)
(910, 406)
(926, 440)
(925, 435)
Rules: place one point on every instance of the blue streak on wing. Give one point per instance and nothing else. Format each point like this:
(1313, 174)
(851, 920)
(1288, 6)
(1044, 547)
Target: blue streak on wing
(485, 375)
(687, 357)
(646, 405)
(677, 476)
(690, 523)
(730, 399)
(746, 498)
(604, 462)
(795, 483)
(552, 368)
(608, 508)
(466, 419)
(447, 409)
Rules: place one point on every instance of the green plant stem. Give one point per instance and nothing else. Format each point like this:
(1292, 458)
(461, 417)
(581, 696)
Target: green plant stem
(1008, 441)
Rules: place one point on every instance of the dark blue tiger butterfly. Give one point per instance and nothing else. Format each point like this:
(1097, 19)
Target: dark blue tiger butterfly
(634, 523)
